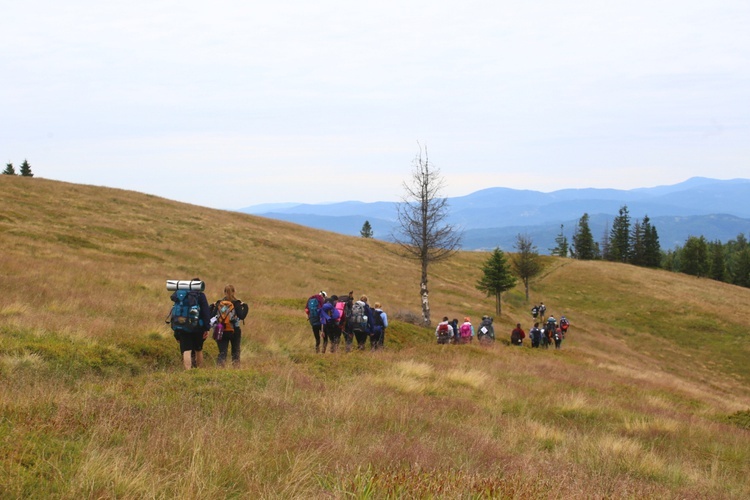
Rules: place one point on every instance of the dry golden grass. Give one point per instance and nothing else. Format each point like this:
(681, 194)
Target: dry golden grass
(93, 402)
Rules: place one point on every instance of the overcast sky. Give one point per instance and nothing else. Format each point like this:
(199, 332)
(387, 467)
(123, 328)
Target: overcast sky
(234, 103)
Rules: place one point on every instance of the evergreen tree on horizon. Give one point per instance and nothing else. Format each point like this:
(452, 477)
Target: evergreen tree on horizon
(366, 231)
(620, 237)
(652, 250)
(584, 247)
(9, 170)
(26, 169)
(561, 241)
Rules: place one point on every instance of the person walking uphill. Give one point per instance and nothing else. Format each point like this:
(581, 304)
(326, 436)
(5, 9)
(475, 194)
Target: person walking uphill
(466, 331)
(486, 334)
(313, 309)
(444, 331)
(229, 311)
(190, 319)
(330, 317)
(379, 324)
(517, 335)
(361, 321)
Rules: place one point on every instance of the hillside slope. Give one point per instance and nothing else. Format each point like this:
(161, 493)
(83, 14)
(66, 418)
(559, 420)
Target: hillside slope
(648, 397)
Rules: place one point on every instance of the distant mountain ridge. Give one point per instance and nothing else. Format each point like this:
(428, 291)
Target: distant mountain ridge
(716, 209)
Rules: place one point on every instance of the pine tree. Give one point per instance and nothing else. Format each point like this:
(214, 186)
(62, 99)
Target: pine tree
(620, 237)
(606, 247)
(26, 169)
(561, 241)
(637, 244)
(651, 247)
(741, 268)
(366, 231)
(496, 278)
(584, 247)
(9, 170)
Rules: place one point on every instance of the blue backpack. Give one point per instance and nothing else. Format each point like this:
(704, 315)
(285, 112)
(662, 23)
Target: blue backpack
(312, 307)
(186, 312)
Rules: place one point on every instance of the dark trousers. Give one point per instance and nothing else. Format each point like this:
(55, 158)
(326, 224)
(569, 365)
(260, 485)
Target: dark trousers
(333, 333)
(377, 338)
(316, 332)
(233, 339)
(361, 337)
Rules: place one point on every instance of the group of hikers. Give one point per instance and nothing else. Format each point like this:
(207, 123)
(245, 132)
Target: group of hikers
(450, 332)
(337, 316)
(551, 332)
(193, 319)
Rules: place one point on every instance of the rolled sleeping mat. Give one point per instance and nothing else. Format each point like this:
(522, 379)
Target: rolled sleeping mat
(196, 286)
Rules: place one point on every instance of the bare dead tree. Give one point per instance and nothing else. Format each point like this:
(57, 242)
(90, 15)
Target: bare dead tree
(424, 234)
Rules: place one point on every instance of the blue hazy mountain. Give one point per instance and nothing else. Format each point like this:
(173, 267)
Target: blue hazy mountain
(716, 209)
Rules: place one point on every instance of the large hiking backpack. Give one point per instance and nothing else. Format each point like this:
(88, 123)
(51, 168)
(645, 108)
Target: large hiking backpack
(465, 330)
(536, 335)
(445, 331)
(341, 308)
(226, 315)
(358, 318)
(564, 324)
(313, 310)
(377, 321)
(486, 329)
(515, 336)
(185, 315)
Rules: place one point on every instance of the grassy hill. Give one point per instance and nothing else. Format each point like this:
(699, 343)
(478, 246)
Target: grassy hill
(649, 396)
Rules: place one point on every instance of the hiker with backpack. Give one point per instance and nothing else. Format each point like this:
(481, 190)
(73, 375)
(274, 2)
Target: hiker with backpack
(454, 326)
(329, 317)
(517, 335)
(564, 324)
(313, 309)
(360, 320)
(542, 310)
(379, 324)
(546, 338)
(535, 333)
(228, 313)
(551, 323)
(444, 331)
(344, 306)
(466, 331)
(557, 336)
(486, 333)
(535, 311)
(190, 319)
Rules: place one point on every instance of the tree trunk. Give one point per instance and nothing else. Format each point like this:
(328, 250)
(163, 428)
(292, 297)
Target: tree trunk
(425, 305)
(526, 285)
(498, 304)
(425, 296)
